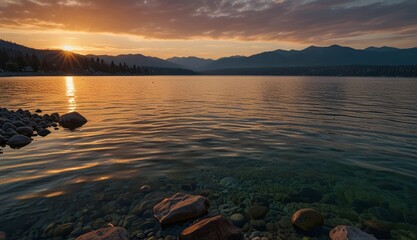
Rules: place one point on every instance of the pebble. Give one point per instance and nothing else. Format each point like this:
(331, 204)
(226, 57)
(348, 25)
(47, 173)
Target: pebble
(238, 220)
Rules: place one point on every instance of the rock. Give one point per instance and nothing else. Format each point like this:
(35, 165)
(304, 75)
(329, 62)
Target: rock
(3, 140)
(55, 117)
(27, 131)
(3, 235)
(180, 207)
(307, 195)
(111, 233)
(307, 219)
(72, 120)
(258, 224)
(378, 229)
(343, 232)
(38, 111)
(258, 212)
(217, 227)
(146, 189)
(238, 220)
(18, 141)
(43, 132)
(229, 182)
(63, 230)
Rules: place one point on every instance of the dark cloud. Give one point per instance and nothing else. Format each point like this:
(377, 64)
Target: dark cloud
(308, 21)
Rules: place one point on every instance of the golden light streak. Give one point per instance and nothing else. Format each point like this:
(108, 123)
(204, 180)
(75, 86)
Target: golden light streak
(72, 104)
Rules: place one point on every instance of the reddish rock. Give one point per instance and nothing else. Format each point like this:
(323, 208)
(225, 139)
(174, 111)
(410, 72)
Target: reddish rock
(307, 219)
(214, 228)
(111, 233)
(180, 207)
(343, 232)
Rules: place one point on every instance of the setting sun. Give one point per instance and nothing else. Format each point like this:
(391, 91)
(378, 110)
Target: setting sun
(67, 48)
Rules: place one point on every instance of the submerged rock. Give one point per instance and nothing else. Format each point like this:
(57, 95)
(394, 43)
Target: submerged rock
(238, 220)
(378, 229)
(63, 230)
(146, 189)
(217, 227)
(229, 182)
(343, 232)
(180, 207)
(307, 219)
(111, 233)
(72, 120)
(258, 212)
(3, 235)
(18, 141)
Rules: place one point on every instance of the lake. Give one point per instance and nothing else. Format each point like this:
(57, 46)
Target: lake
(344, 146)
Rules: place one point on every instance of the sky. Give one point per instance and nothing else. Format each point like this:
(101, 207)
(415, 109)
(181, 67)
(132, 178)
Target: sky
(206, 28)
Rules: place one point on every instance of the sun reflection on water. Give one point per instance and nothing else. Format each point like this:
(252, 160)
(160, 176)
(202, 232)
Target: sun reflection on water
(72, 104)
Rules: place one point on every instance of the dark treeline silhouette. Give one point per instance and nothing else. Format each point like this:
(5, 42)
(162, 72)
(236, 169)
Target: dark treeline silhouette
(353, 70)
(59, 61)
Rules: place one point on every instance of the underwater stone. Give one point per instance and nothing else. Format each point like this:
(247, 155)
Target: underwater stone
(217, 227)
(258, 212)
(343, 232)
(3, 235)
(111, 233)
(307, 219)
(229, 182)
(146, 189)
(63, 230)
(180, 207)
(378, 229)
(238, 220)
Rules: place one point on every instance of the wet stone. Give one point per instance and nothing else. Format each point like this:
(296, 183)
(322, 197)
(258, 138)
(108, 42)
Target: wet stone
(180, 207)
(238, 220)
(378, 229)
(111, 233)
(307, 219)
(217, 227)
(343, 232)
(63, 230)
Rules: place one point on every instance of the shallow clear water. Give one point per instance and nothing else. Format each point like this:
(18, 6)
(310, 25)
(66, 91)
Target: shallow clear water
(351, 139)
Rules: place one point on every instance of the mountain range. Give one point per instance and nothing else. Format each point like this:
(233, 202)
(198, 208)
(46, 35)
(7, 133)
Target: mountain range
(334, 55)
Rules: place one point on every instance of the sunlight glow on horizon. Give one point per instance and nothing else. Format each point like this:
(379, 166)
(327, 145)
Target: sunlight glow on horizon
(67, 48)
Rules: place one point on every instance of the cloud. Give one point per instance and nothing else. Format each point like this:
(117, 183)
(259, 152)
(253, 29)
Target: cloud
(301, 21)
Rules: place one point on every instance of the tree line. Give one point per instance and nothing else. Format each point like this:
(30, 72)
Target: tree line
(57, 61)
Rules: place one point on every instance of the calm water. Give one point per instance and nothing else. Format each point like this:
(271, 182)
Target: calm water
(352, 139)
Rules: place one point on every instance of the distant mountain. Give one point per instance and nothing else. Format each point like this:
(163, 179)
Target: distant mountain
(319, 56)
(193, 63)
(138, 60)
(18, 58)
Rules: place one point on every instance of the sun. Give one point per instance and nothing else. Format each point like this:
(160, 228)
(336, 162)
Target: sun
(67, 48)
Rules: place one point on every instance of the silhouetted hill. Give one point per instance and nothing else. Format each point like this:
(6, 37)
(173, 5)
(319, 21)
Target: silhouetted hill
(138, 60)
(193, 63)
(320, 56)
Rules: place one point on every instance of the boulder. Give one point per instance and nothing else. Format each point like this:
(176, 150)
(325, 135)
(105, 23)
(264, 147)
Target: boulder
(343, 232)
(217, 227)
(72, 120)
(111, 233)
(27, 131)
(55, 117)
(18, 141)
(43, 132)
(307, 219)
(180, 207)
